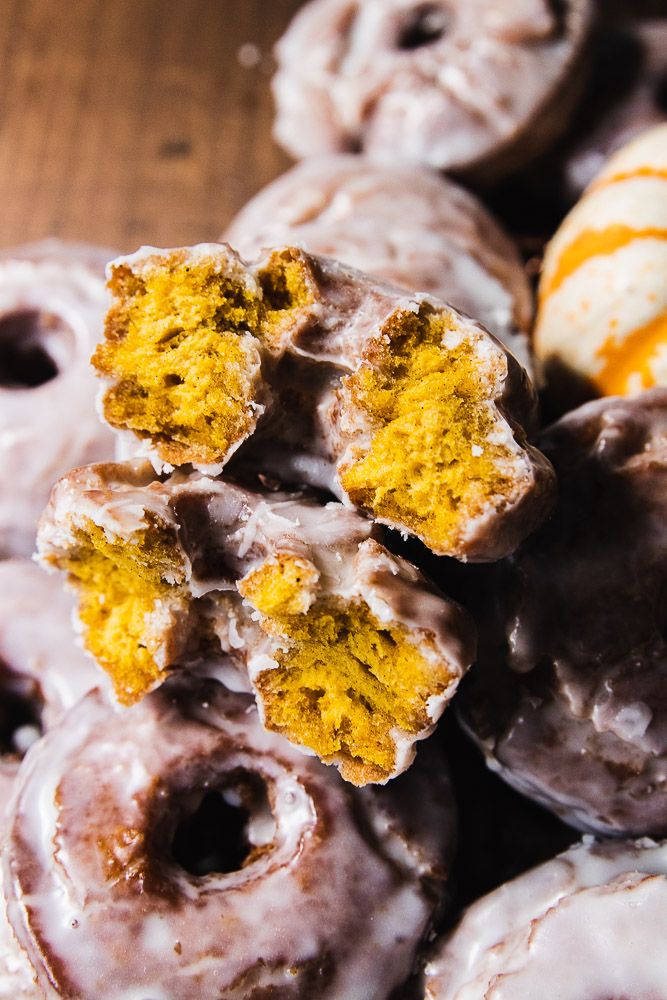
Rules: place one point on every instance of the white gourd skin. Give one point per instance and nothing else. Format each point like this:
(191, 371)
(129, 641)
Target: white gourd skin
(603, 293)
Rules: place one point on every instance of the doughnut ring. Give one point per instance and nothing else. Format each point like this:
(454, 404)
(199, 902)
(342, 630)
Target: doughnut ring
(297, 885)
(348, 649)
(394, 402)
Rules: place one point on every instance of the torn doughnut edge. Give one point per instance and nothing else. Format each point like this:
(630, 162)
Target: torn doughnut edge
(192, 345)
(333, 675)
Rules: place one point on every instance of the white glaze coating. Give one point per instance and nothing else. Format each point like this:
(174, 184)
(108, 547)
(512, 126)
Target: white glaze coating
(474, 94)
(47, 429)
(590, 923)
(40, 662)
(17, 980)
(322, 909)
(407, 225)
(221, 533)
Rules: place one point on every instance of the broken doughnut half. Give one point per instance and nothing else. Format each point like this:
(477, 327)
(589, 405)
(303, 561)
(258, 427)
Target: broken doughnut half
(396, 403)
(350, 652)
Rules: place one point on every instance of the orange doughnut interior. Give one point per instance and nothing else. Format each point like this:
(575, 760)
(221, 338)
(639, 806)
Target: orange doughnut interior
(345, 684)
(128, 610)
(184, 352)
(435, 461)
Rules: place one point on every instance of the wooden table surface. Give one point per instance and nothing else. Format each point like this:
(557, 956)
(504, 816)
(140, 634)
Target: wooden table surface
(134, 121)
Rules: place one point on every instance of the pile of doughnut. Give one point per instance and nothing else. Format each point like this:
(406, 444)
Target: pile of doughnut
(372, 456)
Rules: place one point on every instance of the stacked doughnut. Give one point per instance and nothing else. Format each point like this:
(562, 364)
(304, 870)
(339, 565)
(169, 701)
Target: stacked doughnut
(52, 306)
(298, 367)
(243, 621)
(566, 698)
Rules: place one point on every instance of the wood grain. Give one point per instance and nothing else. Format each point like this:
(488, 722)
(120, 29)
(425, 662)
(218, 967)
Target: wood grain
(134, 121)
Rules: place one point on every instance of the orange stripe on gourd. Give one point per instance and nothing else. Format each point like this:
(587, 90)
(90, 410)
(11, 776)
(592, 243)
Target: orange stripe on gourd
(594, 243)
(626, 175)
(631, 357)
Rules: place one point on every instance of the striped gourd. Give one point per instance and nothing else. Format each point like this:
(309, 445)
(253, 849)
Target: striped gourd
(603, 292)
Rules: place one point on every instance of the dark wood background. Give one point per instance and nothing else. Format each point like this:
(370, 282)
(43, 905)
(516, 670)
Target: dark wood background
(134, 121)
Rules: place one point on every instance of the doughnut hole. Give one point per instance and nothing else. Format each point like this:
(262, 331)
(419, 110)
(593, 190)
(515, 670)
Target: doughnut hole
(131, 604)
(184, 351)
(34, 346)
(345, 684)
(20, 713)
(426, 24)
(224, 828)
(436, 460)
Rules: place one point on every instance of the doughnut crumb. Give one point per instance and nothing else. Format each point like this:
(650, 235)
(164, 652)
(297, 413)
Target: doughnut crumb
(435, 460)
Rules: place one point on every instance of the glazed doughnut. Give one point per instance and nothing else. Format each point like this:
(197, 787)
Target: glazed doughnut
(42, 671)
(632, 102)
(567, 697)
(52, 306)
(348, 649)
(406, 225)
(589, 923)
(478, 88)
(306, 888)
(42, 674)
(603, 294)
(396, 403)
